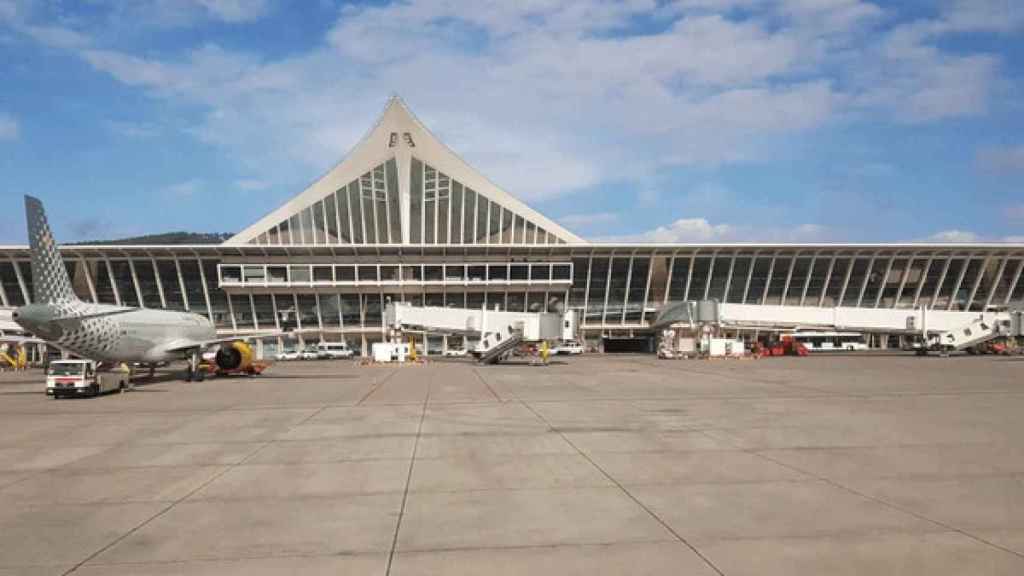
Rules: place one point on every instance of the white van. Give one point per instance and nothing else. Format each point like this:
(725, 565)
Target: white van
(81, 378)
(333, 350)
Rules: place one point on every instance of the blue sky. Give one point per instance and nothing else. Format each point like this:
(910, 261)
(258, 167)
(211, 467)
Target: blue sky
(685, 120)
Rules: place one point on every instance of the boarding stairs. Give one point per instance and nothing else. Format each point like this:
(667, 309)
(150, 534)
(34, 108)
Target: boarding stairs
(494, 346)
(977, 331)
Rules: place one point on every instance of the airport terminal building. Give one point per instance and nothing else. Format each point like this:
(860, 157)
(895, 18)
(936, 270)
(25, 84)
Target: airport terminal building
(403, 218)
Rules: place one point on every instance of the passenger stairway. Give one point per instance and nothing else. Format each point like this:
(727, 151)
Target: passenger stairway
(978, 331)
(495, 345)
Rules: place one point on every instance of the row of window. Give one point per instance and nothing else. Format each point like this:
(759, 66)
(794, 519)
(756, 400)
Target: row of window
(325, 311)
(611, 290)
(619, 290)
(441, 211)
(326, 274)
(366, 211)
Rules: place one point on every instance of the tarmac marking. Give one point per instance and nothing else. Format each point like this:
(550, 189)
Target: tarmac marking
(408, 480)
(623, 489)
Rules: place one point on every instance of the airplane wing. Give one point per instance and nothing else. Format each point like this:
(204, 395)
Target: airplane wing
(184, 345)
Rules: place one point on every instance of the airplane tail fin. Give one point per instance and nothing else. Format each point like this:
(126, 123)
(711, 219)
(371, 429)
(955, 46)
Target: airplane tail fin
(50, 281)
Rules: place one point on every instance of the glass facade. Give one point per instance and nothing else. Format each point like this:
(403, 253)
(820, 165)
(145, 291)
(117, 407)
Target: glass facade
(610, 289)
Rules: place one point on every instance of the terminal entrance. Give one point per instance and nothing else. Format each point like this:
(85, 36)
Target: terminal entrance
(642, 344)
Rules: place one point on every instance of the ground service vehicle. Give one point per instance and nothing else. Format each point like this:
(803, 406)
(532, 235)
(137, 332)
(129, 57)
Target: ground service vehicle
(831, 341)
(287, 355)
(333, 350)
(568, 347)
(81, 378)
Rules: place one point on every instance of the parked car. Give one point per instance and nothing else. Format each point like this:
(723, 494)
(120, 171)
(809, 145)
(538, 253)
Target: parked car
(333, 350)
(454, 352)
(568, 347)
(310, 353)
(287, 355)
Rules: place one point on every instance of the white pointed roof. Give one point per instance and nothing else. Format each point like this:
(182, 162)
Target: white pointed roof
(400, 135)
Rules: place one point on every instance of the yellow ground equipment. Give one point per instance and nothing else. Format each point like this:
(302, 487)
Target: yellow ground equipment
(18, 359)
(236, 358)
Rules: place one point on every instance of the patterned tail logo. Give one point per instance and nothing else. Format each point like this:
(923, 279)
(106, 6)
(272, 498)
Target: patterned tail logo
(50, 280)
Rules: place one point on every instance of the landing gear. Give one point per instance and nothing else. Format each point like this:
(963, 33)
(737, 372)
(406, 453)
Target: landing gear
(194, 372)
(152, 371)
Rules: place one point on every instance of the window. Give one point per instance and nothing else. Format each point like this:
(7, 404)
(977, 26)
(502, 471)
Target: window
(299, 273)
(332, 219)
(147, 283)
(477, 273)
(285, 235)
(322, 274)
(241, 307)
(433, 273)
(344, 222)
(319, 225)
(253, 274)
(416, 202)
(540, 272)
(456, 272)
(172, 288)
(345, 273)
(595, 297)
(518, 272)
(561, 272)
(389, 273)
(307, 226)
(469, 217)
(230, 274)
(277, 273)
(456, 220)
(356, 212)
(394, 211)
(497, 272)
(367, 273)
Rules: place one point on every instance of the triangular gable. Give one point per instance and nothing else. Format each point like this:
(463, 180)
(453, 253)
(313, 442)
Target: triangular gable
(400, 184)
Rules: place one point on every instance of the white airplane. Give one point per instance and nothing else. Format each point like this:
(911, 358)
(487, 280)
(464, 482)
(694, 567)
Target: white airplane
(108, 333)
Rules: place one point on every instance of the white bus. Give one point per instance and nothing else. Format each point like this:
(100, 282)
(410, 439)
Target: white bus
(831, 341)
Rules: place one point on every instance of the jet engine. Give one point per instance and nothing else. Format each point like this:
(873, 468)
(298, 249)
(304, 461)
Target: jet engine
(235, 356)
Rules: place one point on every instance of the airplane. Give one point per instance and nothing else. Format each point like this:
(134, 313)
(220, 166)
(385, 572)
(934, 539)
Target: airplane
(108, 333)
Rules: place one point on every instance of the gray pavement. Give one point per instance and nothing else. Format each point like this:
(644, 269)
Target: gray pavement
(857, 464)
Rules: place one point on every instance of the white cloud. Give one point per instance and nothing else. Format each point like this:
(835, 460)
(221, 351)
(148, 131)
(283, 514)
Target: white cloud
(984, 16)
(252, 184)
(8, 127)
(953, 235)
(551, 97)
(1001, 160)
(966, 236)
(185, 189)
(182, 13)
(699, 230)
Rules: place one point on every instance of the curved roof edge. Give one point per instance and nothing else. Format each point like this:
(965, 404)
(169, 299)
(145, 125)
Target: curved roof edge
(378, 146)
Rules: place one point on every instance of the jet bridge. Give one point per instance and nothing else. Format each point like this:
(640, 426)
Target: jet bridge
(499, 331)
(941, 329)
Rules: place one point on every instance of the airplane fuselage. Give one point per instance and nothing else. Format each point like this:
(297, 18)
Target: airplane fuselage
(122, 335)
